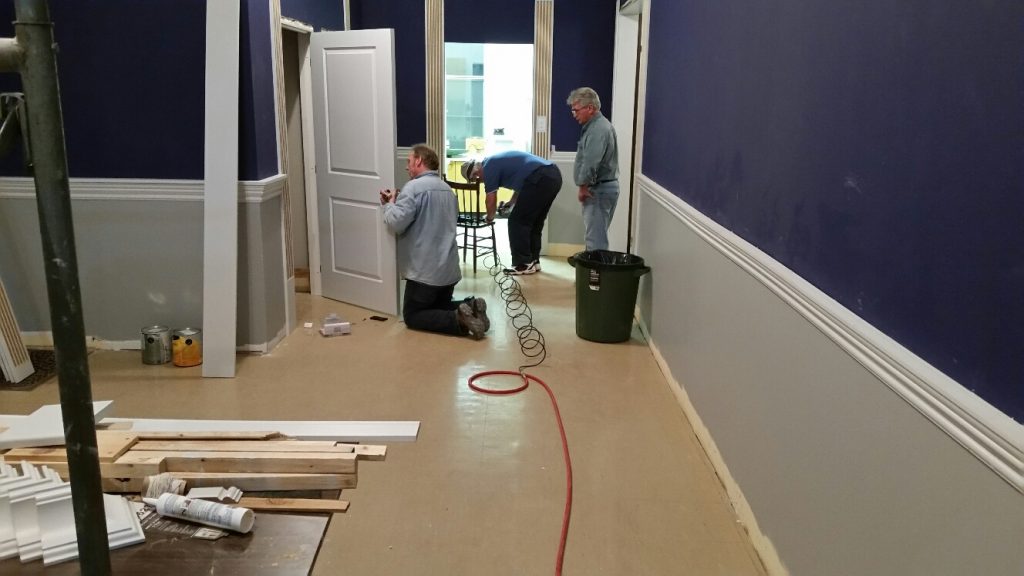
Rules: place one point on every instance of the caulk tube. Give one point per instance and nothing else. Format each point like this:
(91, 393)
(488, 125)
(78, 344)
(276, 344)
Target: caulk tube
(203, 511)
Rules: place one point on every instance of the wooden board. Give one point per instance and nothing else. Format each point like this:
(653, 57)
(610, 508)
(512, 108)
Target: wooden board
(247, 482)
(292, 462)
(109, 444)
(137, 468)
(326, 446)
(292, 504)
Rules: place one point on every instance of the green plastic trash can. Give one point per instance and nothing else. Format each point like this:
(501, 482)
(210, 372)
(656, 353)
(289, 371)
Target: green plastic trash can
(606, 287)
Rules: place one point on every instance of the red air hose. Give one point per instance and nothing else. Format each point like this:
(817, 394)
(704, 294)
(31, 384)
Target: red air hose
(527, 378)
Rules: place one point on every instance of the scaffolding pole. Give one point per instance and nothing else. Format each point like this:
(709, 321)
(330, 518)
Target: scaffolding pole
(34, 35)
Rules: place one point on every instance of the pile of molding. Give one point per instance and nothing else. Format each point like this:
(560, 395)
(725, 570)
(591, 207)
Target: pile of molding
(250, 461)
(37, 517)
(249, 455)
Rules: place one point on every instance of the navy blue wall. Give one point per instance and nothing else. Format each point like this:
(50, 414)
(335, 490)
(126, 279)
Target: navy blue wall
(583, 55)
(132, 79)
(473, 21)
(875, 148)
(257, 122)
(319, 14)
(131, 86)
(408, 19)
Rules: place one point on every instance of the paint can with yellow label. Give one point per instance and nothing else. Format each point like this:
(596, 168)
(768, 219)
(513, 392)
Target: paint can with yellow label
(187, 347)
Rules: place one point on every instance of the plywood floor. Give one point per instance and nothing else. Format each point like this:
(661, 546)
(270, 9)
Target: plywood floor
(481, 491)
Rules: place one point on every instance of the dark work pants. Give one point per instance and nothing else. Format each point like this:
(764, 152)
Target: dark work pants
(431, 308)
(526, 222)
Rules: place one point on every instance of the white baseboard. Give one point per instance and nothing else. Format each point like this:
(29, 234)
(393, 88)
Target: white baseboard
(45, 340)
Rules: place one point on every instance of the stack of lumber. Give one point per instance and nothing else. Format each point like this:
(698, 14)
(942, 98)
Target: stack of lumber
(250, 461)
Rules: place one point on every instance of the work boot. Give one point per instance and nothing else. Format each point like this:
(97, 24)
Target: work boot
(470, 323)
(479, 306)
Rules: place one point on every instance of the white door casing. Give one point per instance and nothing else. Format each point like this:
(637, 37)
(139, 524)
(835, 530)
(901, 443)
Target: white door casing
(355, 134)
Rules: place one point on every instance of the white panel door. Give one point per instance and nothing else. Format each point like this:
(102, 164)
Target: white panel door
(355, 132)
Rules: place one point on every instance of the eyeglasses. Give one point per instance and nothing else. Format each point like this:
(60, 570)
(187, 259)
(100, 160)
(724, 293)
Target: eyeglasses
(576, 111)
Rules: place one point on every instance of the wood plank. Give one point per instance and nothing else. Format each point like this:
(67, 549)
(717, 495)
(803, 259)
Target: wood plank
(326, 446)
(293, 504)
(109, 444)
(249, 482)
(138, 468)
(340, 431)
(368, 451)
(112, 444)
(291, 462)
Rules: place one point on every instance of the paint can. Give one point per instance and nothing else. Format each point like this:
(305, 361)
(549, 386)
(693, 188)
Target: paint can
(188, 347)
(156, 345)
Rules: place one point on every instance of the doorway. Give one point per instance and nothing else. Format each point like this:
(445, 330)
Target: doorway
(488, 102)
(296, 177)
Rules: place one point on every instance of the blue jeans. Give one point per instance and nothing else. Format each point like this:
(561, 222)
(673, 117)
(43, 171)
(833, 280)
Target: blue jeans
(597, 214)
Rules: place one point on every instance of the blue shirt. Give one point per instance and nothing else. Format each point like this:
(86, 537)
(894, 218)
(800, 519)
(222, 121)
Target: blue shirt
(509, 169)
(597, 153)
(423, 216)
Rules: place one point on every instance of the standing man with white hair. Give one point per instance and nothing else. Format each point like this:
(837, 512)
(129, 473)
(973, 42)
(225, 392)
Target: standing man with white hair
(596, 170)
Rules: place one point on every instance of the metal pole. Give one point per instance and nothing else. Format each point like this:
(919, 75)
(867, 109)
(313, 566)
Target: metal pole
(46, 134)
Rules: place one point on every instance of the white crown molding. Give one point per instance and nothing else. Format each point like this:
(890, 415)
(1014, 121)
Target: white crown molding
(131, 189)
(992, 436)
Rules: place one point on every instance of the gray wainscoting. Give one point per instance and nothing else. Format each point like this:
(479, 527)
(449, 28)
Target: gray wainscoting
(843, 475)
(140, 258)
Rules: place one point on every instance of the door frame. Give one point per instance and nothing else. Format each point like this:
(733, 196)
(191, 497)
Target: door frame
(308, 149)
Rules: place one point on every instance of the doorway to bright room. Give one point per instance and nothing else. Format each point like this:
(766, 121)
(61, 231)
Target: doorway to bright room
(488, 107)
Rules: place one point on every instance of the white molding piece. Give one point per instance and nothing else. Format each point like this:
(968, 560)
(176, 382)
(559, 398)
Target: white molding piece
(44, 427)
(26, 516)
(130, 189)
(992, 436)
(220, 181)
(259, 191)
(339, 431)
(58, 538)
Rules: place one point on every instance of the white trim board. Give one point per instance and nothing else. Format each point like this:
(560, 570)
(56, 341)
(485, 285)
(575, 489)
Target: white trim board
(44, 427)
(220, 175)
(339, 431)
(990, 435)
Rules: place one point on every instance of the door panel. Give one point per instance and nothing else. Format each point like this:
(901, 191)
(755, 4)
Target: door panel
(354, 127)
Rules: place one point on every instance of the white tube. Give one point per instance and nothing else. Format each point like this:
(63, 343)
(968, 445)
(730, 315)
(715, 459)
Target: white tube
(203, 512)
